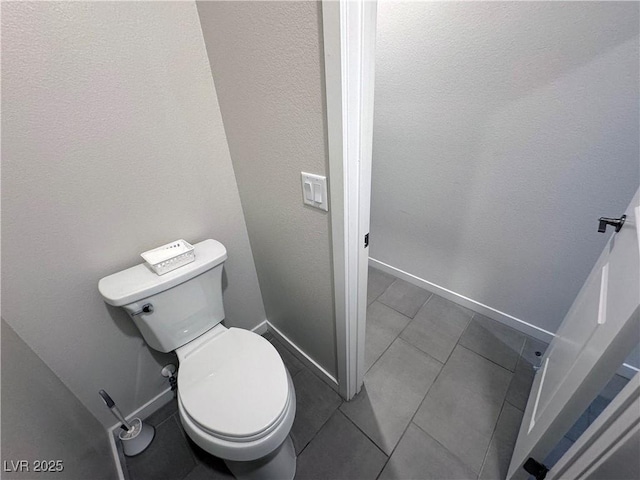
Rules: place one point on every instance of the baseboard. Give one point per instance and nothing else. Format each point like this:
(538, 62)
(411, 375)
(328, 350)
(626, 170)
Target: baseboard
(625, 370)
(497, 315)
(261, 328)
(114, 453)
(142, 412)
(303, 357)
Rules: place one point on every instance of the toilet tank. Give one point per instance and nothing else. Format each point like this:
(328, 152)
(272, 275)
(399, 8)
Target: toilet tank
(186, 302)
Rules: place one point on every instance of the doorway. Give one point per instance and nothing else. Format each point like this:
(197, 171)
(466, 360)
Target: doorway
(455, 261)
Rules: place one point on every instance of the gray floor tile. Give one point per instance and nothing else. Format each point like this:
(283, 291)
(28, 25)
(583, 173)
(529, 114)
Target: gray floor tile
(203, 472)
(340, 451)
(290, 361)
(315, 403)
(377, 283)
(168, 457)
(404, 297)
(208, 466)
(392, 392)
(419, 456)
(462, 407)
(384, 324)
(503, 441)
(437, 327)
(520, 386)
(494, 341)
(164, 412)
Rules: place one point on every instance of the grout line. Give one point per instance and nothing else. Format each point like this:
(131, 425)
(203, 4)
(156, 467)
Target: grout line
(318, 431)
(423, 399)
(419, 308)
(428, 389)
(493, 433)
(385, 289)
(420, 351)
(414, 415)
(487, 359)
(388, 346)
(414, 317)
(458, 340)
(431, 386)
(400, 332)
(367, 437)
(411, 421)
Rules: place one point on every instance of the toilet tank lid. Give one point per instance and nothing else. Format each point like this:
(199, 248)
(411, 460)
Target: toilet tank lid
(140, 282)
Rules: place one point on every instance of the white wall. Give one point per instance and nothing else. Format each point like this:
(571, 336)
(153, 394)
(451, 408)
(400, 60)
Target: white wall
(502, 132)
(42, 419)
(112, 143)
(266, 59)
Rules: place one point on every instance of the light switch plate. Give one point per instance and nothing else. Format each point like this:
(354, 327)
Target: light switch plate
(314, 191)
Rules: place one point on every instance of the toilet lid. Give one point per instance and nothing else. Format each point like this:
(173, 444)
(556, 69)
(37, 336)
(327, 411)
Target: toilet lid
(234, 385)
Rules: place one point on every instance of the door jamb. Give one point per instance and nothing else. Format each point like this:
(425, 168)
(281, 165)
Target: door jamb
(349, 28)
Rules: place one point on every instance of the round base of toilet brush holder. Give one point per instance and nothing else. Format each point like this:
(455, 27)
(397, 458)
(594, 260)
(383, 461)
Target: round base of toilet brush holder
(137, 439)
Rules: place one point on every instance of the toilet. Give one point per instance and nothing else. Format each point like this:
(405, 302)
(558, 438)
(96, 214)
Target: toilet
(235, 397)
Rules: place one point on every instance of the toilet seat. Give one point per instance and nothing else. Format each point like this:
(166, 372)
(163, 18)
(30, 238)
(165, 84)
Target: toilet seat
(242, 451)
(233, 385)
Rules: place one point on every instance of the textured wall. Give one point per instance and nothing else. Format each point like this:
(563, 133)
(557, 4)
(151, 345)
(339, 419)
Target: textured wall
(112, 143)
(266, 60)
(43, 420)
(502, 132)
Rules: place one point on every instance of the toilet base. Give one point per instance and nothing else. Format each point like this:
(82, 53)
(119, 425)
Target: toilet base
(278, 465)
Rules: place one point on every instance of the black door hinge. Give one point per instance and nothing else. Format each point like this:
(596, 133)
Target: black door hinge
(366, 240)
(535, 468)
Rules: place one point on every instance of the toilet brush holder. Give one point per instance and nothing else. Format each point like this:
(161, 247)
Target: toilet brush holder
(137, 439)
(135, 435)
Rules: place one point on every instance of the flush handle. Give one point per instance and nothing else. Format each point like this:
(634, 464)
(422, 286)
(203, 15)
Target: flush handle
(614, 222)
(146, 308)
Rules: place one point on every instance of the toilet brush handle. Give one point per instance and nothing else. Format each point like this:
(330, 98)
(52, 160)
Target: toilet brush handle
(116, 412)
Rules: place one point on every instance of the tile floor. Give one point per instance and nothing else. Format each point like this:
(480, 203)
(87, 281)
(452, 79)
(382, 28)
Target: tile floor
(443, 398)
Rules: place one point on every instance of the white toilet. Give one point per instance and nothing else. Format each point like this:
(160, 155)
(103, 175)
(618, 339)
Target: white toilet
(235, 396)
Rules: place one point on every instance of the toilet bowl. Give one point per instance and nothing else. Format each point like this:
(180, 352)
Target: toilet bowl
(236, 399)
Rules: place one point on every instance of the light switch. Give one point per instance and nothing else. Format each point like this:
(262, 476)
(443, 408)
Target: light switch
(314, 191)
(308, 191)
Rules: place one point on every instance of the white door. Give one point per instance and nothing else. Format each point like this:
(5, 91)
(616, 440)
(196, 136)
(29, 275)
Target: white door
(600, 329)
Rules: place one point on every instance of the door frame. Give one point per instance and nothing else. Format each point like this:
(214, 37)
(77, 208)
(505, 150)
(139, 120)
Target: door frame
(349, 35)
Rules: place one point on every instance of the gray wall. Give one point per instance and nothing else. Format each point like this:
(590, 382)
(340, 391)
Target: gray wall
(112, 143)
(42, 419)
(502, 132)
(266, 59)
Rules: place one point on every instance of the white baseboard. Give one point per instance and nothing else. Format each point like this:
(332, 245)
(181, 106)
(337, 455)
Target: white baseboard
(114, 453)
(303, 357)
(625, 370)
(497, 315)
(261, 328)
